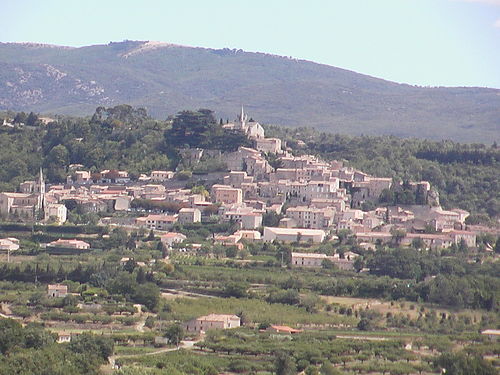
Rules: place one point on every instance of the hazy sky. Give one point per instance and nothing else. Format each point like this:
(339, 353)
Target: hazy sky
(423, 42)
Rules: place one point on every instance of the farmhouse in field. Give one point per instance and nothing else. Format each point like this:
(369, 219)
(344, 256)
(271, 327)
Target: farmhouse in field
(57, 290)
(212, 321)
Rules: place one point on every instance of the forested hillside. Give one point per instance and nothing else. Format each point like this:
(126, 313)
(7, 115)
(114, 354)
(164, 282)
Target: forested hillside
(466, 176)
(113, 138)
(167, 78)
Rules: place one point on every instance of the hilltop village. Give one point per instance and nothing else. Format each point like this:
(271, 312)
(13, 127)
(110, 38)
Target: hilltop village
(303, 198)
(239, 266)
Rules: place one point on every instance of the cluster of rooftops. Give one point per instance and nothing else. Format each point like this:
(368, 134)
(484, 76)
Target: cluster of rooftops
(313, 197)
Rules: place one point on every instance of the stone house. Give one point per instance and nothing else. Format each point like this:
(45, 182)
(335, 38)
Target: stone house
(82, 177)
(373, 237)
(23, 205)
(113, 176)
(314, 260)
(70, 244)
(431, 241)
(251, 220)
(159, 222)
(249, 235)
(237, 178)
(63, 337)
(9, 244)
(308, 259)
(212, 321)
(293, 234)
(189, 215)
(310, 217)
(227, 194)
(57, 290)
(170, 238)
(269, 145)
(469, 237)
(56, 211)
(153, 191)
(161, 176)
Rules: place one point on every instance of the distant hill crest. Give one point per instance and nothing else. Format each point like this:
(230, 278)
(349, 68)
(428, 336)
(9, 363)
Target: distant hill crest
(37, 45)
(166, 78)
(149, 46)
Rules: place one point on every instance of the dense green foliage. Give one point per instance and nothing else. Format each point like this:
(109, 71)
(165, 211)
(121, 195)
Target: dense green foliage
(458, 283)
(201, 129)
(114, 138)
(15, 336)
(96, 144)
(33, 351)
(175, 363)
(462, 364)
(133, 285)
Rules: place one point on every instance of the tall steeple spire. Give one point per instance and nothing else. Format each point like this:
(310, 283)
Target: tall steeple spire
(40, 176)
(243, 119)
(41, 181)
(41, 190)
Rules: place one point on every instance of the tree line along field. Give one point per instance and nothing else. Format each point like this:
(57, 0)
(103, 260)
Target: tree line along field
(261, 295)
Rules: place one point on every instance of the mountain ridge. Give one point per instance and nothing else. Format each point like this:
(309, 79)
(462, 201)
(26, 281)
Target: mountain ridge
(166, 78)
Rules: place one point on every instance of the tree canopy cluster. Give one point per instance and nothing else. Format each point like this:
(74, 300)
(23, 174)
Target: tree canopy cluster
(120, 137)
(201, 129)
(32, 350)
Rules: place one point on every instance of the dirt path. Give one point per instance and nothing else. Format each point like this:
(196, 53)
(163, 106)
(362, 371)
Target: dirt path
(6, 309)
(368, 338)
(139, 326)
(174, 293)
(7, 312)
(183, 345)
(10, 317)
